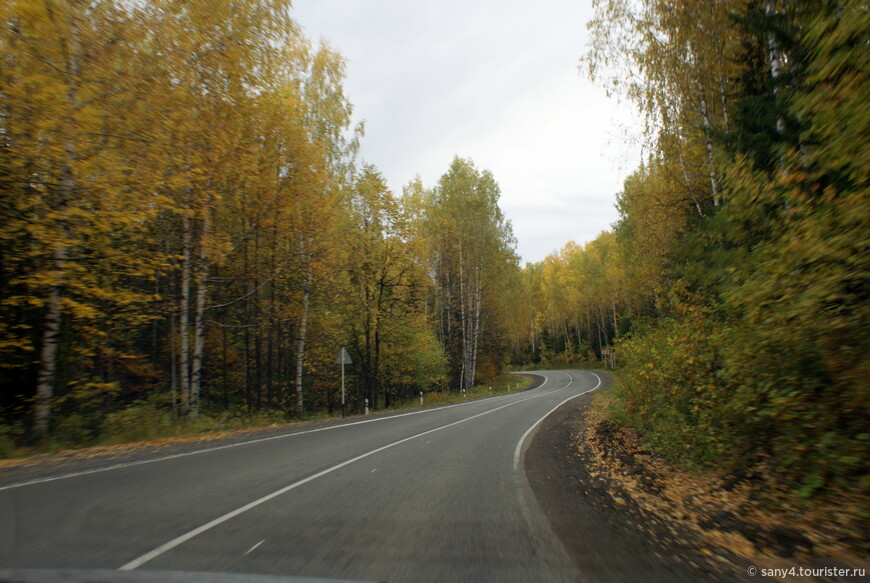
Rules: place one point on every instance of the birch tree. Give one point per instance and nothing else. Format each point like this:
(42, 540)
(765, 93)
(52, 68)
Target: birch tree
(69, 188)
(472, 246)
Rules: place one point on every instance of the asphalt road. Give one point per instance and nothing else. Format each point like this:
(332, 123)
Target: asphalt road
(436, 494)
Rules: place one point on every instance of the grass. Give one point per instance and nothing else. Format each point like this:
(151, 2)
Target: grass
(501, 385)
(138, 423)
(148, 423)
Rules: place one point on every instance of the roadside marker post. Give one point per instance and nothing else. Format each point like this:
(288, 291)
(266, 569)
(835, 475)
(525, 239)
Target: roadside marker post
(367, 406)
(421, 398)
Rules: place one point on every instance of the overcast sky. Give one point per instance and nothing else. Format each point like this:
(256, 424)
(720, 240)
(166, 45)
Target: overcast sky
(494, 81)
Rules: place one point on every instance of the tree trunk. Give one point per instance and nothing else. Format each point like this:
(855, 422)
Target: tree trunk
(225, 369)
(199, 321)
(270, 365)
(173, 366)
(615, 328)
(45, 376)
(687, 181)
(589, 328)
(378, 387)
(300, 345)
(775, 58)
(273, 336)
(184, 316)
(376, 354)
(463, 324)
(708, 139)
(248, 392)
(48, 355)
(478, 300)
(258, 331)
(577, 332)
(600, 344)
(602, 315)
(534, 335)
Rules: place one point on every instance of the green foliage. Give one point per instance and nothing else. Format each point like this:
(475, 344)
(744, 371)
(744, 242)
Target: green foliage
(417, 361)
(469, 248)
(191, 215)
(73, 429)
(202, 232)
(670, 388)
(139, 421)
(711, 393)
(751, 346)
(7, 443)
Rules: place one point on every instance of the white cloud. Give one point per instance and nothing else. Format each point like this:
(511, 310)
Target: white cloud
(495, 81)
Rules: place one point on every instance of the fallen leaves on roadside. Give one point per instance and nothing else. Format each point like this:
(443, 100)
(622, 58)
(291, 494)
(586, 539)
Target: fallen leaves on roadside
(743, 515)
(114, 450)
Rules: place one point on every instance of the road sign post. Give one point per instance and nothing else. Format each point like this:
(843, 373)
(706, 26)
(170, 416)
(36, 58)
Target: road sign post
(343, 359)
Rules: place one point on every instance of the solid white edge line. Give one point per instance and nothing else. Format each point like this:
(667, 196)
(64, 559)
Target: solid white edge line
(135, 563)
(230, 445)
(519, 449)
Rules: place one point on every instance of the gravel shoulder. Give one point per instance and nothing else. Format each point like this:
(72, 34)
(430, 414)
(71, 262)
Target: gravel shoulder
(623, 514)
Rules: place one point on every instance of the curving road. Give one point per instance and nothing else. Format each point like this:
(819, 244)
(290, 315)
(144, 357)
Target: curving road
(436, 494)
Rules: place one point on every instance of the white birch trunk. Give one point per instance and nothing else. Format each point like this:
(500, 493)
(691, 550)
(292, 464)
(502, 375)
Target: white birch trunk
(687, 181)
(478, 300)
(48, 355)
(774, 54)
(45, 376)
(463, 325)
(714, 181)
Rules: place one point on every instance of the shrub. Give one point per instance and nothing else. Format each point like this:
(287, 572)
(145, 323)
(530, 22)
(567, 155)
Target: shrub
(139, 421)
(73, 429)
(7, 443)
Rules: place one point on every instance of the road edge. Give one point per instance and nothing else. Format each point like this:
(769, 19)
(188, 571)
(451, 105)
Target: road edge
(603, 540)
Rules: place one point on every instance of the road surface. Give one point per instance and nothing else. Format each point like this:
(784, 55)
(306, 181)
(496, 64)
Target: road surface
(436, 494)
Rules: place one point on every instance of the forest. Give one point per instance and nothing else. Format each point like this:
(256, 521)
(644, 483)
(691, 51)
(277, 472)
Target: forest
(734, 286)
(187, 232)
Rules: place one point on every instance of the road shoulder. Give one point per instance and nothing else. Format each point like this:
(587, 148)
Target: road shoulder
(622, 512)
(607, 539)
